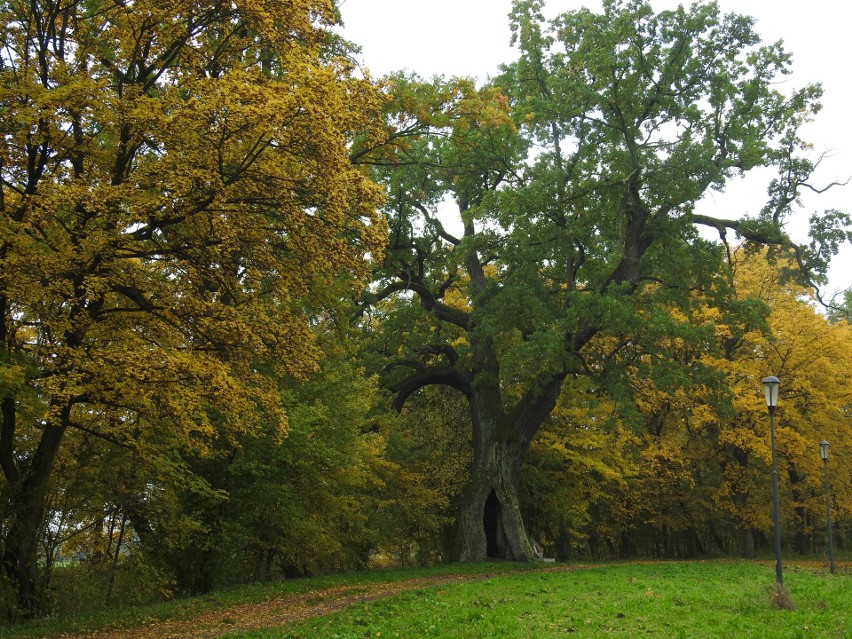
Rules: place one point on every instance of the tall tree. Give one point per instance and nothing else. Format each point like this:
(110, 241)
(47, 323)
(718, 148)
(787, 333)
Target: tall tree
(703, 433)
(174, 175)
(574, 174)
(811, 357)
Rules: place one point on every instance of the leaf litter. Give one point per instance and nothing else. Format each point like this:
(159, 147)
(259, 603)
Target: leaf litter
(291, 608)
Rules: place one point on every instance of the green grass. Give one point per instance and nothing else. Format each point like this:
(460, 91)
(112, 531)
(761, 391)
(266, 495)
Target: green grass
(189, 607)
(673, 600)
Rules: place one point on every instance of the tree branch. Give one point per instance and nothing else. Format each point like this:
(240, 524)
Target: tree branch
(768, 236)
(535, 406)
(439, 349)
(443, 375)
(410, 363)
(434, 221)
(443, 312)
(762, 236)
(136, 296)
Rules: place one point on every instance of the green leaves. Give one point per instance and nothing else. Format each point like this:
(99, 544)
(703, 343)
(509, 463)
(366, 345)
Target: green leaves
(575, 174)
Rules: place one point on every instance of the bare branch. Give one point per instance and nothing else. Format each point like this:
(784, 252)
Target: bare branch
(444, 375)
(435, 222)
(439, 349)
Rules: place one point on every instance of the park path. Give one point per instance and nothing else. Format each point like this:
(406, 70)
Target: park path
(291, 608)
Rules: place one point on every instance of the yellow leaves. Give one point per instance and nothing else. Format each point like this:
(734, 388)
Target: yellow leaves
(292, 21)
(677, 407)
(802, 348)
(12, 378)
(176, 180)
(665, 461)
(457, 298)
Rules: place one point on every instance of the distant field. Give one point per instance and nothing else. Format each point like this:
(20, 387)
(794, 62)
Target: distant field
(677, 600)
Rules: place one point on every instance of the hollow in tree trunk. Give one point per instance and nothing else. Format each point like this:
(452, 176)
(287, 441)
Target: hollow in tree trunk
(489, 522)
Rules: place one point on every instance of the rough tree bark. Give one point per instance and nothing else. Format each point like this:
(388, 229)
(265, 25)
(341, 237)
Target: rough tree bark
(489, 521)
(27, 487)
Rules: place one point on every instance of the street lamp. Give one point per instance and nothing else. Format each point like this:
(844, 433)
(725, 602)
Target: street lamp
(823, 452)
(770, 390)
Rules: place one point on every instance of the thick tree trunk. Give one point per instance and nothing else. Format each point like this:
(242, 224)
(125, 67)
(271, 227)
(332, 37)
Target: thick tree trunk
(489, 522)
(20, 543)
(19, 558)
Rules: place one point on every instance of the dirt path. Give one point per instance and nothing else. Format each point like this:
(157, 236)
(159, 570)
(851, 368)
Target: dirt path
(288, 609)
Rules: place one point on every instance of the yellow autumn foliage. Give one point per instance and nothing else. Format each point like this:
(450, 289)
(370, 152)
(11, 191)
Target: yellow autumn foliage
(175, 178)
(812, 358)
(690, 433)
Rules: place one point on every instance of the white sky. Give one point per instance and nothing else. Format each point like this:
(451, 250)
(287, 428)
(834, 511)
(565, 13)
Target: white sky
(471, 38)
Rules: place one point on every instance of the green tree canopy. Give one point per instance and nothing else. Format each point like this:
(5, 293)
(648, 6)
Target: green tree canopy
(575, 175)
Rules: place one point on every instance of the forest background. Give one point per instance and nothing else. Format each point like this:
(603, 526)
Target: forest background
(241, 342)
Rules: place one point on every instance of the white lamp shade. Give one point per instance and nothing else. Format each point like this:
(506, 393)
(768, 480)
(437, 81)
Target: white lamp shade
(823, 449)
(770, 390)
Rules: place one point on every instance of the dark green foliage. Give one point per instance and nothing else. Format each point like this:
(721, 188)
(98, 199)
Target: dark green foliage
(291, 506)
(576, 249)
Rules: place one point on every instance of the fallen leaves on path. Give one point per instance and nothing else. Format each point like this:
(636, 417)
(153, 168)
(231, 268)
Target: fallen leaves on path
(297, 607)
(287, 609)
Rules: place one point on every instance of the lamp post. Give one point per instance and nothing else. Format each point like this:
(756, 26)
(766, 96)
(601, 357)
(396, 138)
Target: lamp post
(770, 390)
(823, 452)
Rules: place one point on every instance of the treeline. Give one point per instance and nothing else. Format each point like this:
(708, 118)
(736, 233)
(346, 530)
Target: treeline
(687, 473)
(264, 316)
(659, 464)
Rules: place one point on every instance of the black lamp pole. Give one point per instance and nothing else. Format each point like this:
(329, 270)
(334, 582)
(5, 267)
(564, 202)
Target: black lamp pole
(770, 390)
(823, 451)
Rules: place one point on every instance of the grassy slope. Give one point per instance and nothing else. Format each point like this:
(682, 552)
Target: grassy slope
(688, 599)
(673, 600)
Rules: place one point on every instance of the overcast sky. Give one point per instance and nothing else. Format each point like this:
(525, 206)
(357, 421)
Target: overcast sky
(471, 38)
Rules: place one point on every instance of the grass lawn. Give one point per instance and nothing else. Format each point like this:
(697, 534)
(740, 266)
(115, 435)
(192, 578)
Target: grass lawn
(531, 601)
(672, 600)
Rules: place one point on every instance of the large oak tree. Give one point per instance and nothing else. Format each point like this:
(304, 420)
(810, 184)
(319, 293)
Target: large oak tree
(574, 176)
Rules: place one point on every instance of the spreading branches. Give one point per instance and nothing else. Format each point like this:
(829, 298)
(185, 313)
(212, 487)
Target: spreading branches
(443, 375)
(429, 302)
